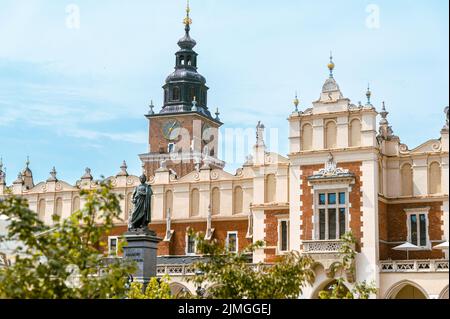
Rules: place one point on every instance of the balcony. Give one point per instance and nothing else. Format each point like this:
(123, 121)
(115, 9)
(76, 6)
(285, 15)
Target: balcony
(313, 247)
(401, 266)
(324, 252)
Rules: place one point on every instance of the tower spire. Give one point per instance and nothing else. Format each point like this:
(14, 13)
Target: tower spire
(187, 20)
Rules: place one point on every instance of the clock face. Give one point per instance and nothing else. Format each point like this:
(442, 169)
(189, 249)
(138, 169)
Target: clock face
(171, 130)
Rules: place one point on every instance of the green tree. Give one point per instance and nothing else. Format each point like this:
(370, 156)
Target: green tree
(229, 275)
(346, 267)
(156, 289)
(63, 261)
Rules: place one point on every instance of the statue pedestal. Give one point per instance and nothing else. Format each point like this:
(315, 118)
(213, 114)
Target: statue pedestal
(142, 248)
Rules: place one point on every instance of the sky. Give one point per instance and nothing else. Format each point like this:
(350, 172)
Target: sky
(76, 77)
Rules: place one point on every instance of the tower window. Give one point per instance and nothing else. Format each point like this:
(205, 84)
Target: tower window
(191, 94)
(171, 148)
(189, 60)
(176, 94)
(181, 59)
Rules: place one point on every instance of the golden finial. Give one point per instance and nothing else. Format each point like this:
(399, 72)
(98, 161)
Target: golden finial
(331, 65)
(187, 21)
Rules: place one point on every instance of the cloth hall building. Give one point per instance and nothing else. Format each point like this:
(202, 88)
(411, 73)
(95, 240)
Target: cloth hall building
(344, 172)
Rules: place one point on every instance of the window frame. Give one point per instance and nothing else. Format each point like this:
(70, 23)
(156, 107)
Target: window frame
(110, 238)
(331, 190)
(187, 245)
(234, 232)
(280, 244)
(418, 211)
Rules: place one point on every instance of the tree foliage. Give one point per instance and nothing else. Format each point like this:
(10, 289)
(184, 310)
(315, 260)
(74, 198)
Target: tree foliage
(63, 261)
(338, 290)
(156, 289)
(229, 275)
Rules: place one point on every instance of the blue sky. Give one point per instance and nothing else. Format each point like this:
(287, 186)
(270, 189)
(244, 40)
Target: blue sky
(75, 98)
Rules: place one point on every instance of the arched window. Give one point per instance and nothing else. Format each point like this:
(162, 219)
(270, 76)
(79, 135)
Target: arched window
(166, 95)
(330, 135)
(41, 210)
(271, 188)
(215, 201)
(195, 203)
(176, 94)
(355, 133)
(189, 60)
(58, 207)
(76, 204)
(168, 200)
(238, 200)
(191, 94)
(434, 178)
(407, 180)
(307, 137)
(181, 59)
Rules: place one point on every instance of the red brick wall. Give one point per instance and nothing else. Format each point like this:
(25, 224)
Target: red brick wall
(177, 245)
(396, 228)
(271, 233)
(307, 199)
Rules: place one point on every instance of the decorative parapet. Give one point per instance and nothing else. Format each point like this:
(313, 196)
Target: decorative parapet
(189, 269)
(322, 246)
(175, 270)
(400, 266)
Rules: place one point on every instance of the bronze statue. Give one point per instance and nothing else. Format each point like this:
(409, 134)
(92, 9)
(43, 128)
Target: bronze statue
(142, 200)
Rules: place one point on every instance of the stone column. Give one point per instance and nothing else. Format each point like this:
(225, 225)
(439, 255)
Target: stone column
(142, 248)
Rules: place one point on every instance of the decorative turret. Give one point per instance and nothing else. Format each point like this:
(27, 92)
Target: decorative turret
(27, 175)
(385, 131)
(185, 85)
(123, 170)
(87, 175)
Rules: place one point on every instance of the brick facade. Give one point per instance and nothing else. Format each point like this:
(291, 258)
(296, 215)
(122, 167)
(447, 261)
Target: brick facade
(271, 233)
(307, 200)
(393, 230)
(177, 244)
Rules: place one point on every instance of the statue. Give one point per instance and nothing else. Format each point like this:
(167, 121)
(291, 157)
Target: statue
(142, 199)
